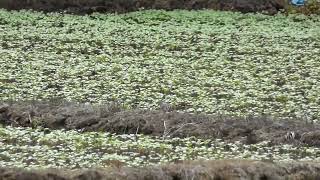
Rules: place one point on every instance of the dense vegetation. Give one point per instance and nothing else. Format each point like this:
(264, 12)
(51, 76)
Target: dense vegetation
(213, 62)
(196, 61)
(44, 148)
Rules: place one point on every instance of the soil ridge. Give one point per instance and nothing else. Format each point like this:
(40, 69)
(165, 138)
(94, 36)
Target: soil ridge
(204, 170)
(115, 119)
(122, 6)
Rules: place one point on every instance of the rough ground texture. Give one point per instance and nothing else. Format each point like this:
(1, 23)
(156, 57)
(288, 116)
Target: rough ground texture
(114, 119)
(219, 170)
(89, 6)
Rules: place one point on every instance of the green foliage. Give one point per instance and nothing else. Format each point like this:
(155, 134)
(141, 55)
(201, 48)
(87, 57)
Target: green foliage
(34, 148)
(215, 62)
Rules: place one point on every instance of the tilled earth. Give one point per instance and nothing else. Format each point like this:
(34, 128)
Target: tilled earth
(89, 6)
(162, 122)
(235, 170)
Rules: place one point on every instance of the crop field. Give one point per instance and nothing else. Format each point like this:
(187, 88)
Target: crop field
(24, 147)
(202, 61)
(196, 62)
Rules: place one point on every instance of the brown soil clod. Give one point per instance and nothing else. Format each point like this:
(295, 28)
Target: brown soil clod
(4, 108)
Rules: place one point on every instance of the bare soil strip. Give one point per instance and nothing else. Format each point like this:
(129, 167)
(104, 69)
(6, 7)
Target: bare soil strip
(181, 171)
(115, 119)
(121, 6)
